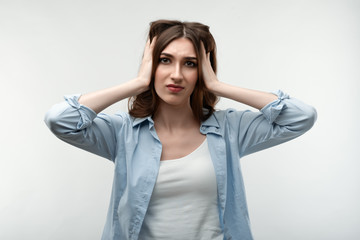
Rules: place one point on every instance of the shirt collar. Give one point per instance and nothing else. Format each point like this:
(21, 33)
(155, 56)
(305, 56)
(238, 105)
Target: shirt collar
(138, 121)
(211, 122)
(210, 125)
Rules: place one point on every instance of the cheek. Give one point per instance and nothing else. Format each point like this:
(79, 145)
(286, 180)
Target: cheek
(160, 73)
(193, 77)
(158, 76)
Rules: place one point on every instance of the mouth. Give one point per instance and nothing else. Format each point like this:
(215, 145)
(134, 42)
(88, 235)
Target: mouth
(174, 88)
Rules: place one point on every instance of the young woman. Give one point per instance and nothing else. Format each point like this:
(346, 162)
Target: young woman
(177, 172)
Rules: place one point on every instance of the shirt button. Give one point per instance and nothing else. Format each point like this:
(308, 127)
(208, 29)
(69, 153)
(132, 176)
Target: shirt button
(217, 130)
(203, 128)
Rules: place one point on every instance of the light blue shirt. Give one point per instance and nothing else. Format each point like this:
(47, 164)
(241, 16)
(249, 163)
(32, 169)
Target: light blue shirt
(134, 147)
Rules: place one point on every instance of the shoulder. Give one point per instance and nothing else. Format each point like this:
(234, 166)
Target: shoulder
(232, 117)
(221, 118)
(118, 119)
(127, 120)
(232, 114)
(224, 113)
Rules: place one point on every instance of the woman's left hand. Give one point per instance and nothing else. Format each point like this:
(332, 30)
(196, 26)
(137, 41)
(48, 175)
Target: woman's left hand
(208, 73)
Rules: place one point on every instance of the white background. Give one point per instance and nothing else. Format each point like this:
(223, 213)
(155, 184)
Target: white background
(306, 189)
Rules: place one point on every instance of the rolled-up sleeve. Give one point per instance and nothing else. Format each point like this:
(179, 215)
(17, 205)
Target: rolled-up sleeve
(80, 126)
(279, 121)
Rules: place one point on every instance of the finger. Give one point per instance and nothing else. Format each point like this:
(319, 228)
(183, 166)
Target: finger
(148, 48)
(153, 41)
(202, 49)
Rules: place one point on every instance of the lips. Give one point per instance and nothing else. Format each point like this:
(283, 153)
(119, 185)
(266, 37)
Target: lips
(174, 88)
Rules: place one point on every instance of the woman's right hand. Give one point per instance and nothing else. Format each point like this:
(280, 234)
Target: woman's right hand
(101, 99)
(144, 74)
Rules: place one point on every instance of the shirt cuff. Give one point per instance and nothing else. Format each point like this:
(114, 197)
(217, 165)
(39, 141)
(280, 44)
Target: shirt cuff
(87, 115)
(272, 110)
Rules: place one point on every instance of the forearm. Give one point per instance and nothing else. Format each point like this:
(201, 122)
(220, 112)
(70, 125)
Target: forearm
(102, 99)
(253, 98)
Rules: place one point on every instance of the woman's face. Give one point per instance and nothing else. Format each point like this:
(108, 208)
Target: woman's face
(177, 73)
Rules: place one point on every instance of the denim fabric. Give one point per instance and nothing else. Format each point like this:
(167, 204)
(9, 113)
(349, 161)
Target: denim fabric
(134, 147)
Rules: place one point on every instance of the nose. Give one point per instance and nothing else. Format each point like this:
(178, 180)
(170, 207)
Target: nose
(176, 74)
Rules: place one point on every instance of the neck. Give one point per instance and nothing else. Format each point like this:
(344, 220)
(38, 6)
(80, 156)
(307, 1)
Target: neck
(172, 117)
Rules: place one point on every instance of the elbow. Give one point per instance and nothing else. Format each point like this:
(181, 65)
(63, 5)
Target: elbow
(309, 118)
(312, 116)
(52, 122)
(57, 119)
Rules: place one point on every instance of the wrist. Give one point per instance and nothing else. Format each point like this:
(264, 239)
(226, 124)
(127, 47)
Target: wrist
(141, 85)
(214, 87)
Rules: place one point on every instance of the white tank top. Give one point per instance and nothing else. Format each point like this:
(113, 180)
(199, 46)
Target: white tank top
(184, 201)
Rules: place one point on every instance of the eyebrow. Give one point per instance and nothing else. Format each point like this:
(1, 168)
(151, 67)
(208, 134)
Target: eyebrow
(171, 56)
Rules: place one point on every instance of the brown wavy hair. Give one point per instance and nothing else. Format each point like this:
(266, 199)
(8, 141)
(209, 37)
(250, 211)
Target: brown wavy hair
(202, 101)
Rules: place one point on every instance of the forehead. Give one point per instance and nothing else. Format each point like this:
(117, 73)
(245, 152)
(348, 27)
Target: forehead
(181, 47)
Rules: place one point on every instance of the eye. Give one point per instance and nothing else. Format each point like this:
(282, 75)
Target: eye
(164, 60)
(190, 64)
